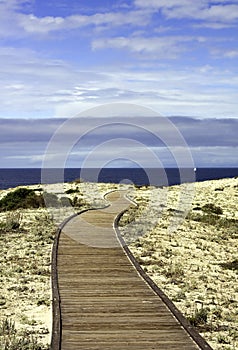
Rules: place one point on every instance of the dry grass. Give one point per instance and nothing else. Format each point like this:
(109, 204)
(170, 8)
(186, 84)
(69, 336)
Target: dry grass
(197, 265)
(25, 274)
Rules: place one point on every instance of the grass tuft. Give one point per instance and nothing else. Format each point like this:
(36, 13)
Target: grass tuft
(11, 339)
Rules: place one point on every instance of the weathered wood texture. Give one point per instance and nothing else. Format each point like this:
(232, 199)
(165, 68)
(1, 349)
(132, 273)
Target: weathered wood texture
(105, 303)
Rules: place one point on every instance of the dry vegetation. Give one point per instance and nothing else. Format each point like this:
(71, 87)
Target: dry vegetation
(196, 265)
(26, 238)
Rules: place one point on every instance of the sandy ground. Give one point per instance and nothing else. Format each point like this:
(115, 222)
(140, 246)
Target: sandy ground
(185, 237)
(196, 265)
(25, 274)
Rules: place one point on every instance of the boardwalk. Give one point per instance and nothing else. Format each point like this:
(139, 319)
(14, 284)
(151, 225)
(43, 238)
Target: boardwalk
(101, 302)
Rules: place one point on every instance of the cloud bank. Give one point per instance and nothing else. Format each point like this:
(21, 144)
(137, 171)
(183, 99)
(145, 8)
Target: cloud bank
(23, 142)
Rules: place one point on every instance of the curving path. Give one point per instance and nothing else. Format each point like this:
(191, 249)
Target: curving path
(102, 300)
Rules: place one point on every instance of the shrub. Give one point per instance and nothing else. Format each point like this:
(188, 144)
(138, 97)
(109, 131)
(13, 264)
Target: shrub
(11, 340)
(128, 216)
(12, 222)
(212, 209)
(199, 318)
(71, 190)
(175, 273)
(7, 327)
(209, 219)
(232, 265)
(229, 225)
(78, 202)
(21, 198)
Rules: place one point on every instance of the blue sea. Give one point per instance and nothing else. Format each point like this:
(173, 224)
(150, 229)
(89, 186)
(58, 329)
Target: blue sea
(10, 178)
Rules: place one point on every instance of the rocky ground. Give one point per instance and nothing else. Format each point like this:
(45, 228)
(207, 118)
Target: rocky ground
(185, 237)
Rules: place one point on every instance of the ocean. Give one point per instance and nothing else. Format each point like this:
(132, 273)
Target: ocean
(10, 178)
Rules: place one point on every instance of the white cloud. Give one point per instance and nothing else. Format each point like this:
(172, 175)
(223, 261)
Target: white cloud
(14, 4)
(164, 47)
(213, 25)
(215, 11)
(31, 83)
(227, 53)
(223, 13)
(9, 12)
(20, 24)
(36, 85)
(215, 156)
(231, 53)
(161, 3)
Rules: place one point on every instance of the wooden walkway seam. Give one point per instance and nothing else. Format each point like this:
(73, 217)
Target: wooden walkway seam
(56, 340)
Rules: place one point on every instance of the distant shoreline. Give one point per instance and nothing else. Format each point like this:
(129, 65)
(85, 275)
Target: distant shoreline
(10, 178)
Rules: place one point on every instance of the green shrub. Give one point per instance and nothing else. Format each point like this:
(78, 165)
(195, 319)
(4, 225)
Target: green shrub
(228, 225)
(175, 273)
(24, 342)
(209, 219)
(128, 216)
(232, 265)
(78, 202)
(71, 190)
(199, 318)
(21, 198)
(211, 208)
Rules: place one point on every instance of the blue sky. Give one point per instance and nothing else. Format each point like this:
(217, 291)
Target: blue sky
(59, 58)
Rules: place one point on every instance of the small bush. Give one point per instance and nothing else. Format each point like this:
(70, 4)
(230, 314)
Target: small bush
(222, 339)
(209, 219)
(232, 265)
(199, 318)
(211, 208)
(10, 339)
(229, 225)
(175, 273)
(11, 222)
(128, 216)
(78, 202)
(21, 198)
(7, 327)
(71, 190)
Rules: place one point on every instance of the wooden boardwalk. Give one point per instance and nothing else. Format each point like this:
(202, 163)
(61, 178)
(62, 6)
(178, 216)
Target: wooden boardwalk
(101, 300)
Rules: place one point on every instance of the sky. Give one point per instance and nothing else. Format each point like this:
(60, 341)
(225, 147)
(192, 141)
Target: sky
(59, 58)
